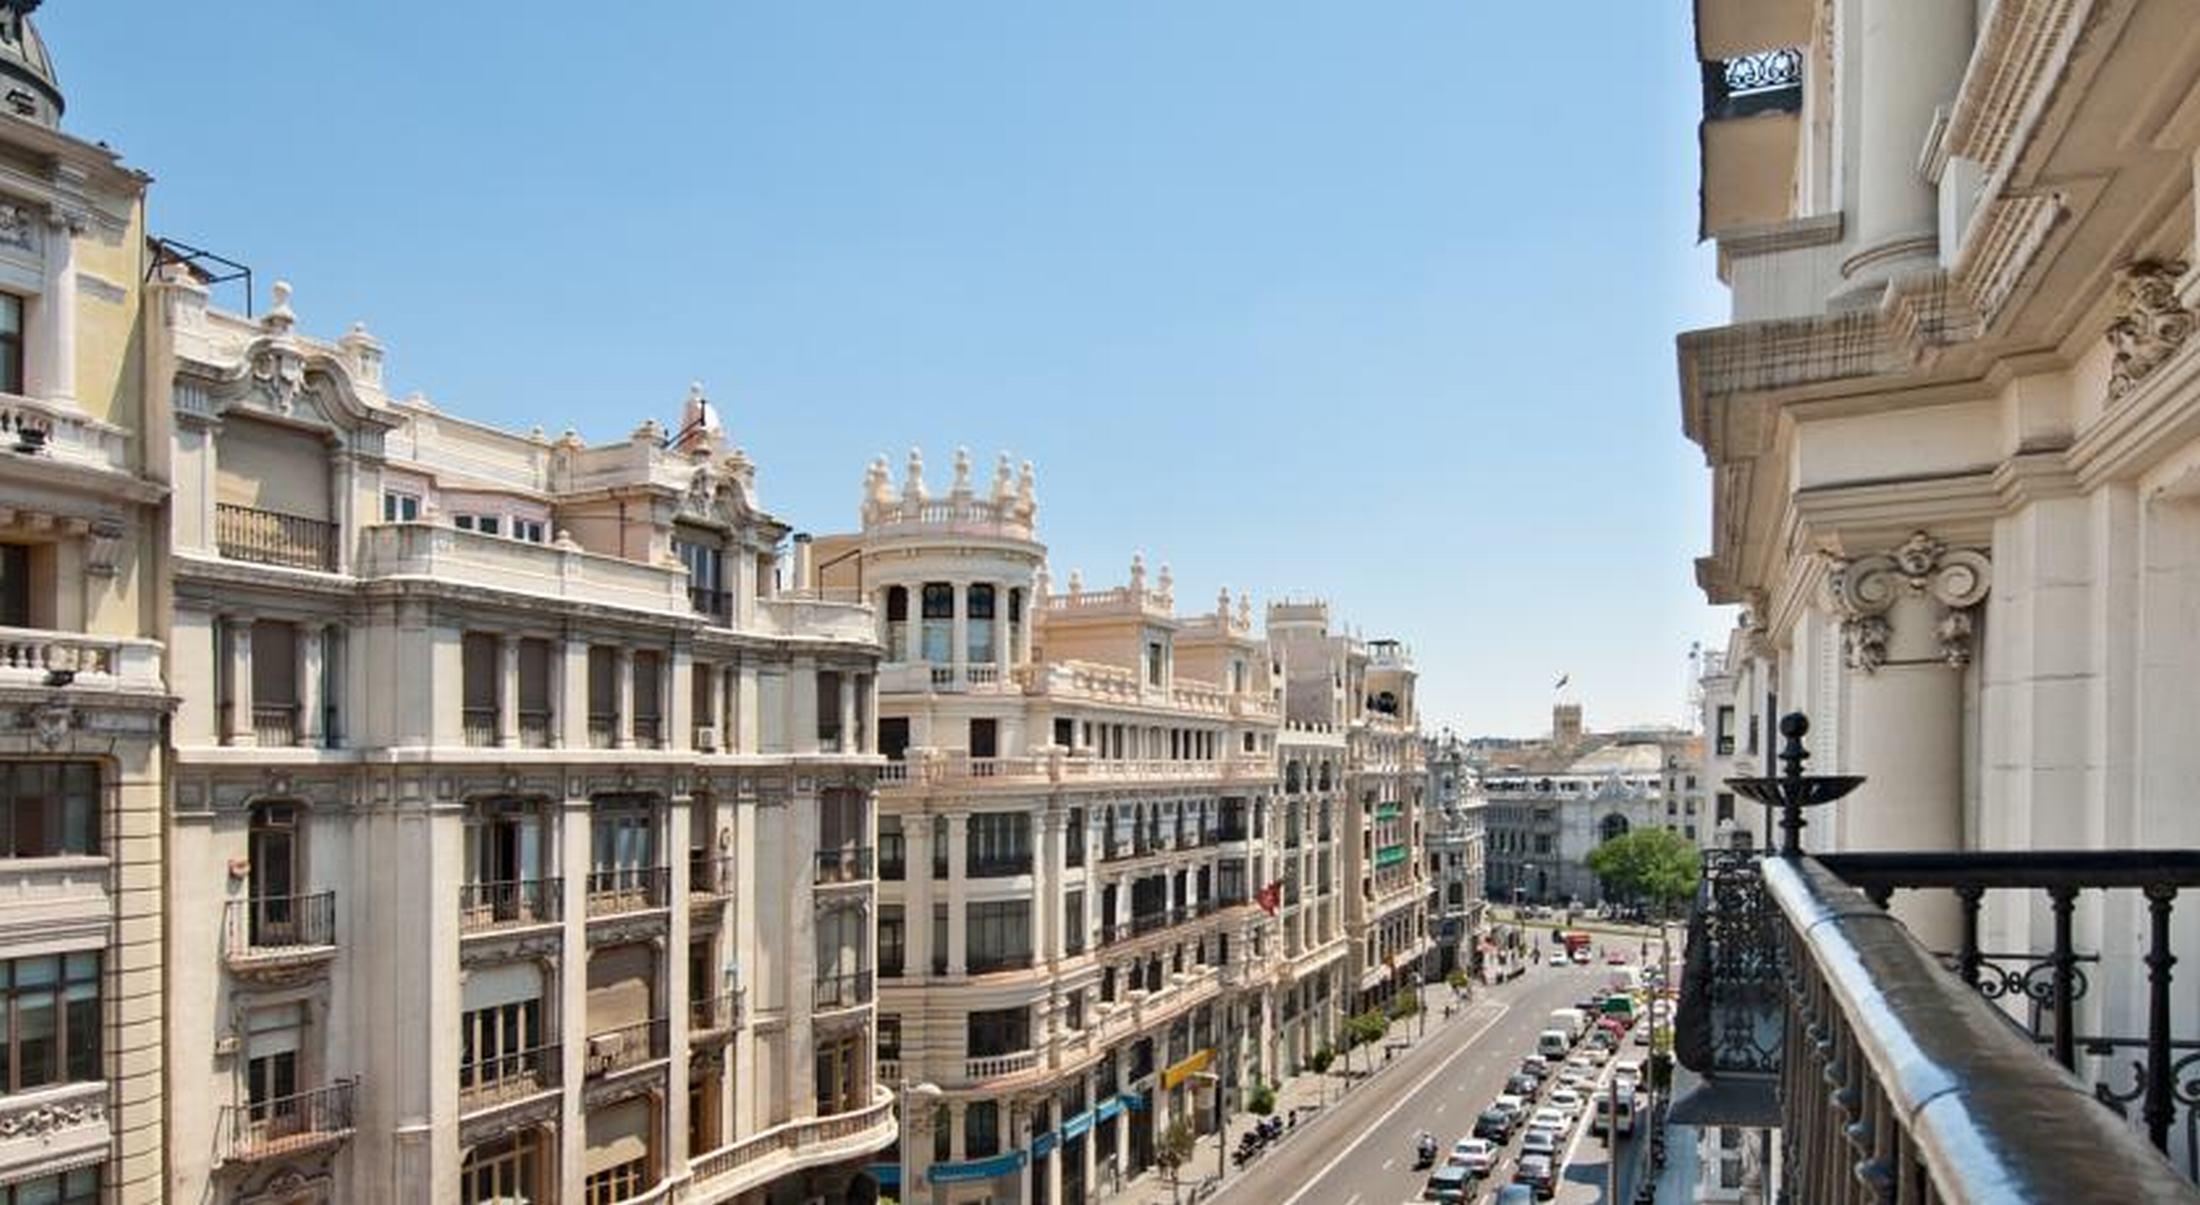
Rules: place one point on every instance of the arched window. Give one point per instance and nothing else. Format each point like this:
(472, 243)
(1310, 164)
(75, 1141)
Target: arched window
(1291, 778)
(1614, 826)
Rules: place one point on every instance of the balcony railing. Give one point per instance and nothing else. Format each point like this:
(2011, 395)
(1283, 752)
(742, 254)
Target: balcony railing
(274, 725)
(993, 1066)
(1768, 81)
(514, 1075)
(1896, 1073)
(287, 1125)
(848, 865)
(712, 1014)
(534, 729)
(625, 1047)
(718, 604)
(648, 732)
(989, 964)
(493, 905)
(603, 730)
(275, 924)
(997, 866)
(710, 877)
(480, 724)
(842, 991)
(616, 889)
(265, 537)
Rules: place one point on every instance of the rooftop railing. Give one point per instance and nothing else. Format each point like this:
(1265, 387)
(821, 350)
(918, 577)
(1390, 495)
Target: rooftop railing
(1897, 1073)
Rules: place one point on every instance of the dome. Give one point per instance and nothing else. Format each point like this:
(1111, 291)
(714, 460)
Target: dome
(27, 85)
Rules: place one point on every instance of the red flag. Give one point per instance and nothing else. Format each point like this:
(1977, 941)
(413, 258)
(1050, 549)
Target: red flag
(1269, 897)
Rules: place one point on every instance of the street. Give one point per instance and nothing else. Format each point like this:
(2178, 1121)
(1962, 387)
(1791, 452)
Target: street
(1359, 1150)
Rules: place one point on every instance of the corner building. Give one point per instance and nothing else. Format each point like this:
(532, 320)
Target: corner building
(1075, 829)
(522, 825)
(83, 670)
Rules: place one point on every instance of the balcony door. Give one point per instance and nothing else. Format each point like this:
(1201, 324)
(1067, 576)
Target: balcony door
(273, 850)
(504, 858)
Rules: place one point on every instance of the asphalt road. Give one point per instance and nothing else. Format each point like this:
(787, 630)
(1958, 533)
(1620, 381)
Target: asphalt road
(1359, 1150)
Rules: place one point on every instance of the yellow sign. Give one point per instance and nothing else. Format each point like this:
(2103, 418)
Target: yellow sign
(1186, 1069)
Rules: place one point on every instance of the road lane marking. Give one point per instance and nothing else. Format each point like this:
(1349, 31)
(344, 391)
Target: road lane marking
(1354, 1199)
(1503, 1007)
(1389, 1163)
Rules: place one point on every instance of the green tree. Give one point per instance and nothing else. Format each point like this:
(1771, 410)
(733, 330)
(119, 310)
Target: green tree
(1174, 1150)
(1654, 865)
(1262, 1099)
(1319, 1061)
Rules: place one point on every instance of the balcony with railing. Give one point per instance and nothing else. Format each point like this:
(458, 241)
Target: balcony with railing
(266, 537)
(275, 725)
(845, 866)
(617, 889)
(626, 1047)
(603, 730)
(710, 878)
(842, 991)
(534, 728)
(1896, 1072)
(279, 935)
(515, 1075)
(287, 1126)
(490, 905)
(712, 1018)
(480, 726)
(34, 657)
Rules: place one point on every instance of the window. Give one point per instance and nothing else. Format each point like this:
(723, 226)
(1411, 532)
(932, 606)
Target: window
(1000, 844)
(1723, 730)
(939, 613)
(889, 1035)
(49, 809)
(981, 1129)
(893, 849)
(998, 935)
(939, 939)
(488, 525)
(530, 530)
(893, 940)
(1156, 659)
(619, 1183)
(51, 1021)
(79, 1187)
(400, 507)
(15, 586)
(498, 1043)
(979, 631)
(11, 343)
(1723, 807)
(502, 1170)
(893, 737)
(999, 1031)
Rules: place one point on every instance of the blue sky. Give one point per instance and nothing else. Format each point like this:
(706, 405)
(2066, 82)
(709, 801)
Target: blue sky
(1369, 301)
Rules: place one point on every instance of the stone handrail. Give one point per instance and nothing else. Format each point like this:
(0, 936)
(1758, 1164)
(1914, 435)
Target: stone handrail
(42, 428)
(30, 654)
(551, 570)
(805, 1142)
(994, 1066)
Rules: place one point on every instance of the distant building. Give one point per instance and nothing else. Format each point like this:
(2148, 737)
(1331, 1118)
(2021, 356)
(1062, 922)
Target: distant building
(1551, 802)
(1455, 841)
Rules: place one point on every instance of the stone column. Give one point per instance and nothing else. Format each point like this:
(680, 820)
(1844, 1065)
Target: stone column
(622, 672)
(1004, 657)
(1047, 877)
(916, 894)
(239, 730)
(311, 657)
(1907, 621)
(569, 690)
(959, 640)
(1911, 58)
(677, 988)
(958, 846)
(508, 690)
(53, 357)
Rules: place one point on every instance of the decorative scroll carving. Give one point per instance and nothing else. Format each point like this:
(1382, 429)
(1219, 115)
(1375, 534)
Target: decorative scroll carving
(2150, 325)
(41, 1120)
(1864, 590)
(279, 375)
(16, 228)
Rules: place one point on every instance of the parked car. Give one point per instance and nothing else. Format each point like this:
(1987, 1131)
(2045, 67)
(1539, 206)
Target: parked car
(1515, 1105)
(1534, 1065)
(1477, 1155)
(1569, 1102)
(1540, 1140)
(1515, 1194)
(1523, 1085)
(1494, 1124)
(1447, 1183)
(1627, 1070)
(1581, 958)
(1538, 1173)
(1547, 1119)
(1615, 958)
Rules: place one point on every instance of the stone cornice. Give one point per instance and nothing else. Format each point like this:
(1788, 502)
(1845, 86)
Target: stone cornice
(2021, 57)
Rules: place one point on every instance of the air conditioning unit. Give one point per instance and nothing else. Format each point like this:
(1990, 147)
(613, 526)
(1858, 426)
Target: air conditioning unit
(706, 738)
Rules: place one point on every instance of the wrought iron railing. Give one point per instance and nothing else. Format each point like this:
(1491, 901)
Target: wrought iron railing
(625, 1046)
(1767, 81)
(513, 1075)
(718, 604)
(710, 877)
(492, 905)
(265, 537)
(284, 1125)
(842, 991)
(616, 889)
(1895, 1073)
(711, 1014)
(846, 865)
(270, 923)
(995, 866)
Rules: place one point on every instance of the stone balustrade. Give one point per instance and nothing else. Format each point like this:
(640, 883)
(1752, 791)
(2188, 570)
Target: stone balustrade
(808, 1142)
(29, 655)
(40, 428)
(978, 1070)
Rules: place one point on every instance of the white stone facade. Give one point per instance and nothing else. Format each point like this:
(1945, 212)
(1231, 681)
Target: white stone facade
(1549, 803)
(1456, 841)
(521, 825)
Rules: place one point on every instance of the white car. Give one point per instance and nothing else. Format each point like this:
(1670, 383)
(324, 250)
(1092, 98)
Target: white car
(1582, 1063)
(1569, 1102)
(1477, 1155)
(1627, 1071)
(1541, 1140)
(1517, 1106)
(1547, 1119)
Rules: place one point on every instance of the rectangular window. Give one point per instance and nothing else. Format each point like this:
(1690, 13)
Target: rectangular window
(997, 935)
(49, 809)
(939, 939)
(999, 844)
(1723, 730)
(828, 709)
(51, 1021)
(893, 737)
(981, 1129)
(498, 1043)
(994, 1032)
(530, 530)
(938, 630)
(889, 1035)
(893, 940)
(502, 1171)
(400, 507)
(614, 1184)
(79, 1187)
(15, 586)
(11, 343)
(1156, 658)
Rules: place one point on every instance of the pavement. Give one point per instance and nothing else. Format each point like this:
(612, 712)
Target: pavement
(1353, 1146)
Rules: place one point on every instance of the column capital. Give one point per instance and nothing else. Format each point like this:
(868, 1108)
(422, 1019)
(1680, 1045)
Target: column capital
(1864, 591)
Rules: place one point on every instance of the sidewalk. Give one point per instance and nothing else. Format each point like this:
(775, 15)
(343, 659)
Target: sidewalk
(1307, 1093)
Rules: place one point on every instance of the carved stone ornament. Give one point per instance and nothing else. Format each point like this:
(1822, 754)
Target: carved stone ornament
(1862, 592)
(101, 541)
(2150, 325)
(15, 227)
(279, 376)
(41, 1120)
(50, 721)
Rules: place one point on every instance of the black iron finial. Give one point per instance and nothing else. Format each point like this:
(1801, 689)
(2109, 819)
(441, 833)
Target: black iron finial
(1794, 790)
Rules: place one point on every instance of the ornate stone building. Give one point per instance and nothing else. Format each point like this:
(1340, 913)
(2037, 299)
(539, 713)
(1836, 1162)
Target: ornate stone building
(1953, 430)
(1455, 839)
(522, 825)
(1550, 802)
(1077, 820)
(83, 675)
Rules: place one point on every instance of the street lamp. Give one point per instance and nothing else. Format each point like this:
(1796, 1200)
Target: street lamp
(925, 1093)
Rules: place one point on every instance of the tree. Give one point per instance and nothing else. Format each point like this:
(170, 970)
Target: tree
(1654, 865)
(1262, 1099)
(1174, 1150)
(1319, 1061)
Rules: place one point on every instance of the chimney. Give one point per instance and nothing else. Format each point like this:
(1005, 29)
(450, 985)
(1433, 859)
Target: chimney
(802, 565)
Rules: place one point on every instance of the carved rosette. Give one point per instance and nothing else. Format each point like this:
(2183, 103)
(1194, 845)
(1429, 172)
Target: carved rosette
(2150, 325)
(1863, 591)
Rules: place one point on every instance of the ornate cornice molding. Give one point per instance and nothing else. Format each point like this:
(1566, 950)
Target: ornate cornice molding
(1863, 591)
(2150, 323)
